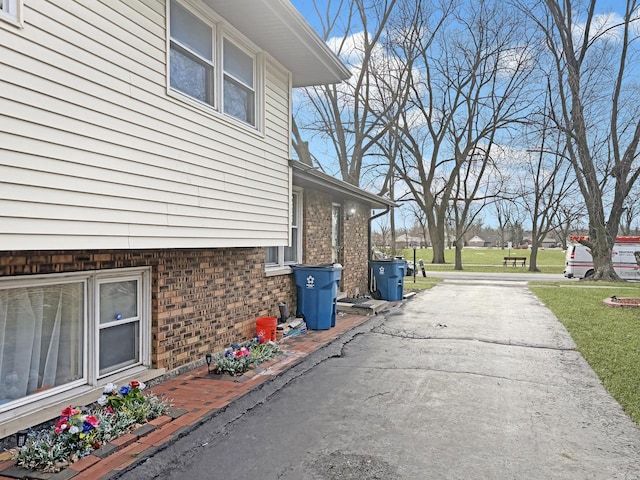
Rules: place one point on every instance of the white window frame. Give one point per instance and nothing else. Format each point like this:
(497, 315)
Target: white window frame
(90, 280)
(280, 267)
(221, 32)
(253, 88)
(11, 12)
(108, 278)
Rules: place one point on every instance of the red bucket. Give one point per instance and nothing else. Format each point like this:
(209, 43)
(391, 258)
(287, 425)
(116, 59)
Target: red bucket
(267, 326)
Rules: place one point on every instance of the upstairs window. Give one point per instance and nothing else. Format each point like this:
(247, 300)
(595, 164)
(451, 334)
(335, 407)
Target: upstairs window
(239, 93)
(191, 55)
(207, 66)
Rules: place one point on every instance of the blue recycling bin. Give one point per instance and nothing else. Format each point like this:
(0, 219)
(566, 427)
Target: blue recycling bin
(317, 288)
(389, 277)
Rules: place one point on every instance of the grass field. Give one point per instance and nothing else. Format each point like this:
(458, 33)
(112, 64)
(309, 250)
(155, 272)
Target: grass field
(608, 338)
(489, 259)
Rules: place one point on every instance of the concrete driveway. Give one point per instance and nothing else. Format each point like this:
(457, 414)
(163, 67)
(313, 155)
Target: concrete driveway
(465, 381)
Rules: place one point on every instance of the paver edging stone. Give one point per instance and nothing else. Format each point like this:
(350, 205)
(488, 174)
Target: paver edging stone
(174, 413)
(103, 452)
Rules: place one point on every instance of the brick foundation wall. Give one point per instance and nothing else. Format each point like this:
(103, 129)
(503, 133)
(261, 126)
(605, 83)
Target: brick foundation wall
(202, 300)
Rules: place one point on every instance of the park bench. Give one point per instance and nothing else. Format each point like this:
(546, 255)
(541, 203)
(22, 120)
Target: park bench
(514, 260)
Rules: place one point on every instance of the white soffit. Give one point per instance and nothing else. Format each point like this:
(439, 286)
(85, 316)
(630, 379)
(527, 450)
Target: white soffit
(278, 28)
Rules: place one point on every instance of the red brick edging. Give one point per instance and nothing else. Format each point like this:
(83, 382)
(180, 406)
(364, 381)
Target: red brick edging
(196, 396)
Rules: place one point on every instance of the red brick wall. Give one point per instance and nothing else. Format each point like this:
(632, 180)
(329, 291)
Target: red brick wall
(317, 239)
(202, 300)
(316, 228)
(354, 255)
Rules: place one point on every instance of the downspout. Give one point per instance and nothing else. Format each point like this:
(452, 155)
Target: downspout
(371, 219)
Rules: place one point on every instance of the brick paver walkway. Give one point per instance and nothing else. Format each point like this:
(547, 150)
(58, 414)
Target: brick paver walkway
(194, 396)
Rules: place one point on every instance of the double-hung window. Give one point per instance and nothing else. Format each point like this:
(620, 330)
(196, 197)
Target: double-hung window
(280, 257)
(239, 93)
(119, 316)
(191, 57)
(205, 64)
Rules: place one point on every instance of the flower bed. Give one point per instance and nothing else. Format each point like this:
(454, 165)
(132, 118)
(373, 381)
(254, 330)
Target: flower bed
(79, 431)
(622, 302)
(241, 358)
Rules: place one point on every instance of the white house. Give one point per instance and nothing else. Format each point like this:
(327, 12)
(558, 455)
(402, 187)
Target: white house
(144, 173)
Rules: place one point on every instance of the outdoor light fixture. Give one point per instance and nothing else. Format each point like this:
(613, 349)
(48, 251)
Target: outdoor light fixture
(208, 357)
(21, 438)
(351, 213)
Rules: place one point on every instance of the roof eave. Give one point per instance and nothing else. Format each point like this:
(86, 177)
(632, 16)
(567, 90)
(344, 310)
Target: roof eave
(278, 28)
(305, 175)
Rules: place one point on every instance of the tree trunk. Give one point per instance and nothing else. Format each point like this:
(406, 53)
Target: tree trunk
(458, 265)
(601, 253)
(436, 233)
(533, 259)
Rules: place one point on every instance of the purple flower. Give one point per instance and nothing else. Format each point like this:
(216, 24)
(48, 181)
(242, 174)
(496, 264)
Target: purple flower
(124, 390)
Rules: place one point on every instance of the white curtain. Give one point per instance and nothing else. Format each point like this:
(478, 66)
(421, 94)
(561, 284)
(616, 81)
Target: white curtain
(40, 338)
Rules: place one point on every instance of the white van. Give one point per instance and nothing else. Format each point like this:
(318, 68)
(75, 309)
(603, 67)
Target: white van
(625, 256)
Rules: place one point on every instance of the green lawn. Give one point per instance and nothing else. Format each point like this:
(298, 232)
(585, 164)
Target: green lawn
(421, 283)
(608, 338)
(489, 259)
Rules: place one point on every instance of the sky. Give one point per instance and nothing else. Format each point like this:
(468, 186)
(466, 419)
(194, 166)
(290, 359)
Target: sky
(307, 9)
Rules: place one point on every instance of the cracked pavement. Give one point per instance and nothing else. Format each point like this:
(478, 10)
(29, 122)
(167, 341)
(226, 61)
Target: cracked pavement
(467, 380)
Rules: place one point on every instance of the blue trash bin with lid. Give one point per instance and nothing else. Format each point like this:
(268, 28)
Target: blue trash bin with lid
(317, 288)
(389, 277)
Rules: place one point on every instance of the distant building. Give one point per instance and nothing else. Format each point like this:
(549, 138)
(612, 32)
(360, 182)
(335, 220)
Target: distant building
(478, 241)
(408, 241)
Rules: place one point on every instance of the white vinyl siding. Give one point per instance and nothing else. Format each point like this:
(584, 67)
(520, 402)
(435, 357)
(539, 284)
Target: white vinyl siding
(95, 154)
(11, 12)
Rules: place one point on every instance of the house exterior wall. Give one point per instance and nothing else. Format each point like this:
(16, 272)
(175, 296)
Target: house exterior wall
(317, 239)
(316, 242)
(203, 300)
(96, 153)
(355, 254)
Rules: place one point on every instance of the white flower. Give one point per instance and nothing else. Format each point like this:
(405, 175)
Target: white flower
(109, 388)
(142, 386)
(102, 400)
(73, 430)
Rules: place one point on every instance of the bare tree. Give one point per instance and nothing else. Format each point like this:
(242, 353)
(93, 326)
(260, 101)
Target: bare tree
(631, 213)
(546, 178)
(351, 117)
(472, 190)
(570, 210)
(597, 113)
(420, 223)
(467, 93)
(506, 211)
